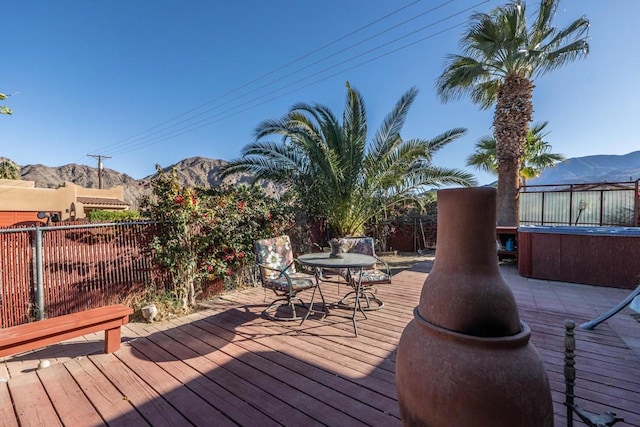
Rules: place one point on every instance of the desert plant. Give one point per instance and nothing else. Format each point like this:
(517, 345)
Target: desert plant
(9, 170)
(501, 57)
(335, 173)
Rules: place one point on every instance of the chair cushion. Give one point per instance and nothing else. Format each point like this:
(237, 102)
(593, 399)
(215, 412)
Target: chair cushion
(275, 253)
(371, 276)
(299, 282)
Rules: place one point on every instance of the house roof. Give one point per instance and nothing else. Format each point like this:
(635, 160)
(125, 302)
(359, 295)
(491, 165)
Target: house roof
(101, 201)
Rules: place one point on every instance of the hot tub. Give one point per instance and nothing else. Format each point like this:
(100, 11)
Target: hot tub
(605, 256)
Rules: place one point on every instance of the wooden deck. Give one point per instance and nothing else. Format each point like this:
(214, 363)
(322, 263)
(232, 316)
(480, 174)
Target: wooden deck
(226, 365)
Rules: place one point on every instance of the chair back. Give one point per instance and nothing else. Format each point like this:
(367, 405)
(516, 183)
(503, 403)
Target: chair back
(275, 253)
(359, 245)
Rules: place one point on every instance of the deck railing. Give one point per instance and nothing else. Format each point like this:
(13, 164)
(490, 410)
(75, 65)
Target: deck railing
(56, 270)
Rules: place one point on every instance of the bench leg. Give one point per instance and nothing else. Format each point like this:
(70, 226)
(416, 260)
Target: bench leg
(112, 340)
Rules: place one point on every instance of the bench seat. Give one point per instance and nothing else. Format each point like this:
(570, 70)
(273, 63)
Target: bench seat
(21, 338)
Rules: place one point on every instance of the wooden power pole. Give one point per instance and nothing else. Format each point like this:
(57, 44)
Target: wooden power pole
(99, 157)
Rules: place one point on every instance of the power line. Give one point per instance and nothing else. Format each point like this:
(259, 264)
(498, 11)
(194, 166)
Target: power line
(208, 122)
(272, 82)
(300, 58)
(150, 139)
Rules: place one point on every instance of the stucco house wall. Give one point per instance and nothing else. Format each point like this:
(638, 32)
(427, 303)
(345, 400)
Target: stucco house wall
(21, 201)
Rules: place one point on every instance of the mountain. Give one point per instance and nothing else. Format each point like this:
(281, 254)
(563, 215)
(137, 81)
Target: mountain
(600, 168)
(201, 171)
(85, 176)
(192, 172)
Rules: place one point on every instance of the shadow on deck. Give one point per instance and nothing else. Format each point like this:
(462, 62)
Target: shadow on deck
(227, 365)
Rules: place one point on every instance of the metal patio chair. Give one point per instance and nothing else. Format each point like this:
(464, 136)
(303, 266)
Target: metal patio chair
(278, 272)
(379, 274)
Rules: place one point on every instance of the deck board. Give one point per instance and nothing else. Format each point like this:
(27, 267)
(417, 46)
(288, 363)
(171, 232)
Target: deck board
(109, 402)
(192, 406)
(187, 373)
(71, 404)
(7, 415)
(27, 394)
(227, 365)
(149, 403)
(235, 378)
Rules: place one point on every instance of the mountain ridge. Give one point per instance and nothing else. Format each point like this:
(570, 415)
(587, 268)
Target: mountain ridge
(592, 169)
(202, 172)
(192, 172)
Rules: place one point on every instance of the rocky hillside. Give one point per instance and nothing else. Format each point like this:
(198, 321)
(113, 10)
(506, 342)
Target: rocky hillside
(600, 168)
(85, 176)
(200, 172)
(193, 172)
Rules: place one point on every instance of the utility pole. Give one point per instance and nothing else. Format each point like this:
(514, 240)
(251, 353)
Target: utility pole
(99, 157)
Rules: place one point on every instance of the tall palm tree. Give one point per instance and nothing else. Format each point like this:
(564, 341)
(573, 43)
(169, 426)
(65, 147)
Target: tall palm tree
(535, 158)
(9, 170)
(335, 172)
(501, 57)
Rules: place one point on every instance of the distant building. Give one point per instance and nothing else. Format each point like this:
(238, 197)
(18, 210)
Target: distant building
(20, 201)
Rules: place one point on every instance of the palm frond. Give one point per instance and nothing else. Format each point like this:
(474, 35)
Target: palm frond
(461, 75)
(388, 134)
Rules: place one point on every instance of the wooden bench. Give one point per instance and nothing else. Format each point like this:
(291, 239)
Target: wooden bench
(30, 336)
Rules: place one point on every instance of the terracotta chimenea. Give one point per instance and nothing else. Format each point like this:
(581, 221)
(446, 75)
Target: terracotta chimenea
(465, 359)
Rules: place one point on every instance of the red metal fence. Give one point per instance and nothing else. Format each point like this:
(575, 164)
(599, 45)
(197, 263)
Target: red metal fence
(51, 271)
(16, 272)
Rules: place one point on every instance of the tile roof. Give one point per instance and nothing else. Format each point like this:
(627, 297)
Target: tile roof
(101, 201)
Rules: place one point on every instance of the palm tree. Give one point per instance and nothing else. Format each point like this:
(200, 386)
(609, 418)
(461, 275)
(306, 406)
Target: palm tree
(535, 158)
(501, 57)
(9, 170)
(4, 109)
(335, 173)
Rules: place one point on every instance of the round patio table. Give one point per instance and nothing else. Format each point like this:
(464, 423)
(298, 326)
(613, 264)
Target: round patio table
(348, 260)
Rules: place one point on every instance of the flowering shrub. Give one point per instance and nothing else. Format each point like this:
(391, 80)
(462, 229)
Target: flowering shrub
(237, 217)
(209, 233)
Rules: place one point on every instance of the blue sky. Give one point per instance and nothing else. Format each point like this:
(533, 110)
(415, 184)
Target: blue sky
(154, 82)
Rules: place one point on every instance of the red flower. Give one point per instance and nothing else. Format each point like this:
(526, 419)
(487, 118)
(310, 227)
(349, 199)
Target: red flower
(240, 205)
(230, 271)
(210, 267)
(240, 254)
(269, 216)
(179, 200)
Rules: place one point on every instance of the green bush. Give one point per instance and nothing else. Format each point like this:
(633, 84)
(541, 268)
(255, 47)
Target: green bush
(113, 216)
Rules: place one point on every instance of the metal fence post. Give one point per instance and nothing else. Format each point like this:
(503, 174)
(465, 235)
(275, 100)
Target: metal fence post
(39, 275)
(636, 199)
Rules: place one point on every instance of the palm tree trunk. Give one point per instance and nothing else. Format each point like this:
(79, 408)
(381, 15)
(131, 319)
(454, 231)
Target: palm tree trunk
(507, 196)
(513, 113)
